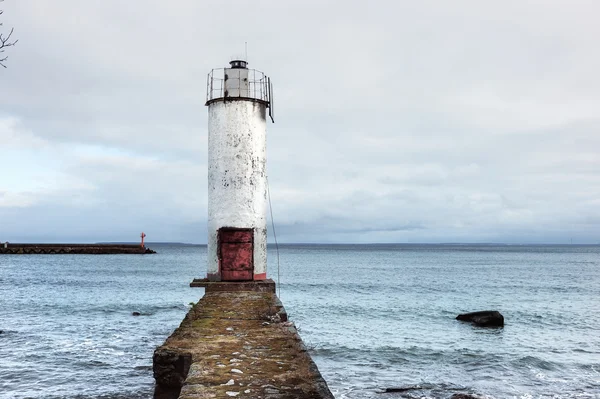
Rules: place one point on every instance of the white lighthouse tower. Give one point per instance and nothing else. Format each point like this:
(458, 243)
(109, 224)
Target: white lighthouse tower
(238, 101)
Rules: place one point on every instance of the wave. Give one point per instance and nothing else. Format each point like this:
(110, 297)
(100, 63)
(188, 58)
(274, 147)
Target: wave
(143, 309)
(127, 395)
(412, 354)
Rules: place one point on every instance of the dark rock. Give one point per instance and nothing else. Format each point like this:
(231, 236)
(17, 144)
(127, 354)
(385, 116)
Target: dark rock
(161, 392)
(1, 332)
(464, 396)
(400, 389)
(486, 318)
(171, 367)
(136, 314)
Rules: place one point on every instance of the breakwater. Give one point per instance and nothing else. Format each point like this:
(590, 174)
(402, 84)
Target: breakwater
(237, 343)
(57, 249)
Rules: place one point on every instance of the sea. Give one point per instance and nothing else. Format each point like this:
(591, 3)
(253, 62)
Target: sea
(373, 317)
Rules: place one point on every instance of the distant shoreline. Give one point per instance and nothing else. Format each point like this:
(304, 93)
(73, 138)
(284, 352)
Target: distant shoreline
(447, 244)
(383, 244)
(179, 244)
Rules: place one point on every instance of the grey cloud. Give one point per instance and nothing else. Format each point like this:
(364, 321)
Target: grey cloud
(396, 121)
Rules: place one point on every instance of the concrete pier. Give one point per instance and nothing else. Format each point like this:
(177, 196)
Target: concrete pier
(59, 249)
(237, 344)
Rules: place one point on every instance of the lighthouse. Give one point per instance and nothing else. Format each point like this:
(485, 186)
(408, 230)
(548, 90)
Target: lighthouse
(239, 100)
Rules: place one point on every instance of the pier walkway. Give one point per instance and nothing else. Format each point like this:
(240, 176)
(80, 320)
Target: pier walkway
(70, 249)
(237, 344)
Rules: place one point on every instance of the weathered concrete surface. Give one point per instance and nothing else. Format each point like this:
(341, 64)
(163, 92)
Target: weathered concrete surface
(237, 344)
(237, 177)
(267, 285)
(59, 249)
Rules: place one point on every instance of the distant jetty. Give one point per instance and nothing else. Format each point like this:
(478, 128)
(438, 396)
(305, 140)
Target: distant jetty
(85, 249)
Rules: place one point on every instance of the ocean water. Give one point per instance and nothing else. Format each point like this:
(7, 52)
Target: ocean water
(373, 316)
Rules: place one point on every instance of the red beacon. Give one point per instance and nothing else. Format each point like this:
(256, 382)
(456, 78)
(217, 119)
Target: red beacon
(143, 235)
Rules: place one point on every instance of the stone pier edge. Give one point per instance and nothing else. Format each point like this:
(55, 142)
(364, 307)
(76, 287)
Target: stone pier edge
(172, 364)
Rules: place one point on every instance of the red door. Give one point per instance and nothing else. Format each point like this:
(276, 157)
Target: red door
(236, 254)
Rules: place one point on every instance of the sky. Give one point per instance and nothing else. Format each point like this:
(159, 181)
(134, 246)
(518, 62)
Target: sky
(396, 121)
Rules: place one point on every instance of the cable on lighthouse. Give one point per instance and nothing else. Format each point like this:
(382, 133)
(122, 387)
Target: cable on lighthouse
(275, 236)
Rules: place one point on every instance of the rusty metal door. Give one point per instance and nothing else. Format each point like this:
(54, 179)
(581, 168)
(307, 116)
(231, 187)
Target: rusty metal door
(236, 254)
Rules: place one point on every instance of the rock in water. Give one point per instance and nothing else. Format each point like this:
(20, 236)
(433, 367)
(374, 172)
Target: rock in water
(464, 396)
(136, 314)
(486, 318)
(400, 389)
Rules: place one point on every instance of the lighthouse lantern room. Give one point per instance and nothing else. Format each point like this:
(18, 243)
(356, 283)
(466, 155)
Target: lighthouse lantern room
(239, 100)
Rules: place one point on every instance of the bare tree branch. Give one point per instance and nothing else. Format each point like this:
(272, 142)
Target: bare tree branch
(5, 42)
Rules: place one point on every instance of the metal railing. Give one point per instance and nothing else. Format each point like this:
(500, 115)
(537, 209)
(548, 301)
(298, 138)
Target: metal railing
(257, 86)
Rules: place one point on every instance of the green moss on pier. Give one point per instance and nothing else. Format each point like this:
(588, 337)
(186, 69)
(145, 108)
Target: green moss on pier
(234, 344)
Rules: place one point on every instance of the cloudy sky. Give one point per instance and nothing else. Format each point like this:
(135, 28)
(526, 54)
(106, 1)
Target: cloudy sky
(397, 121)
